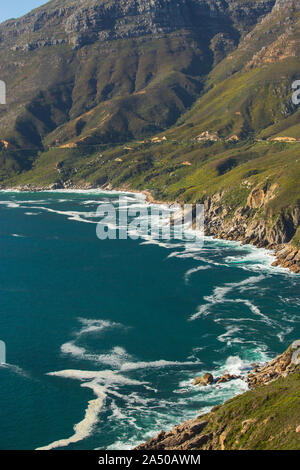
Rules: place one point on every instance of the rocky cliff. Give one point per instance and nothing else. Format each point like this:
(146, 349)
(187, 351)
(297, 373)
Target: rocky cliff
(246, 225)
(82, 22)
(267, 417)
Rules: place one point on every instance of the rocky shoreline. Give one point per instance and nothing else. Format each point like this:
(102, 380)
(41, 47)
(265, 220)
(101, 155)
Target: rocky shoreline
(203, 432)
(244, 226)
(211, 431)
(239, 226)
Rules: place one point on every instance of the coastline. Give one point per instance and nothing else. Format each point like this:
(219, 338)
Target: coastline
(247, 421)
(286, 255)
(146, 194)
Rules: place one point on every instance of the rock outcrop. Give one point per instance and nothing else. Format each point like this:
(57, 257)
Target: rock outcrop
(207, 379)
(281, 366)
(243, 224)
(187, 436)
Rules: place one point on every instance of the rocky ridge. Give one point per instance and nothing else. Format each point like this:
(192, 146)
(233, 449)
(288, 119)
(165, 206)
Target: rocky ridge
(83, 22)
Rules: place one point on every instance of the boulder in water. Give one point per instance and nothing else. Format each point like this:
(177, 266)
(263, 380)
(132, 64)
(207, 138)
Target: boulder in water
(206, 379)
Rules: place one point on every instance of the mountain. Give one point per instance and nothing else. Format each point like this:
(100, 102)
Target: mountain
(110, 71)
(249, 92)
(189, 99)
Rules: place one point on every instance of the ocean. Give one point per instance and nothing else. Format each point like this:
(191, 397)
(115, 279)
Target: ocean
(104, 337)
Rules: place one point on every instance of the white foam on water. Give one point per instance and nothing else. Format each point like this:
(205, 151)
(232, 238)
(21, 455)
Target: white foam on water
(161, 244)
(95, 325)
(116, 411)
(10, 191)
(119, 359)
(106, 382)
(257, 260)
(229, 336)
(168, 414)
(281, 336)
(104, 377)
(127, 366)
(91, 202)
(114, 358)
(219, 297)
(254, 309)
(197, 255)
(34, 201)
(71, 215)
(192, 271)
(73, 350)
(100, 383)
(15, 369)
(234, 365)
(85, 427)
(17, 204)
(10, 204)
(219, 242)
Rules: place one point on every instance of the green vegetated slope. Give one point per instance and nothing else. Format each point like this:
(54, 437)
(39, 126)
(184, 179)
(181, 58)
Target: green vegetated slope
(116, 77)
(262, 419)
(108, 71)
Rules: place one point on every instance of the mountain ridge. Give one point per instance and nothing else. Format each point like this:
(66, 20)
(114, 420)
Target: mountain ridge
(76, 36)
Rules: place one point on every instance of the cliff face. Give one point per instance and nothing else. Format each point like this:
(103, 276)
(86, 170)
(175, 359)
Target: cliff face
(86, 21)
(266, 418)
(246, 225)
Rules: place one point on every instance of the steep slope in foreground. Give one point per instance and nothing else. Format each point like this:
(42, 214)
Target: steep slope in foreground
(265, 418)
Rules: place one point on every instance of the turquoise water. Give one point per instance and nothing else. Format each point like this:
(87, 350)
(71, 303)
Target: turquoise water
(104, 337)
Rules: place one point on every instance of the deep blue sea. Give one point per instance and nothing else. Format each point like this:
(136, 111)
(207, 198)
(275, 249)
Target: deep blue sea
(104, 338)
